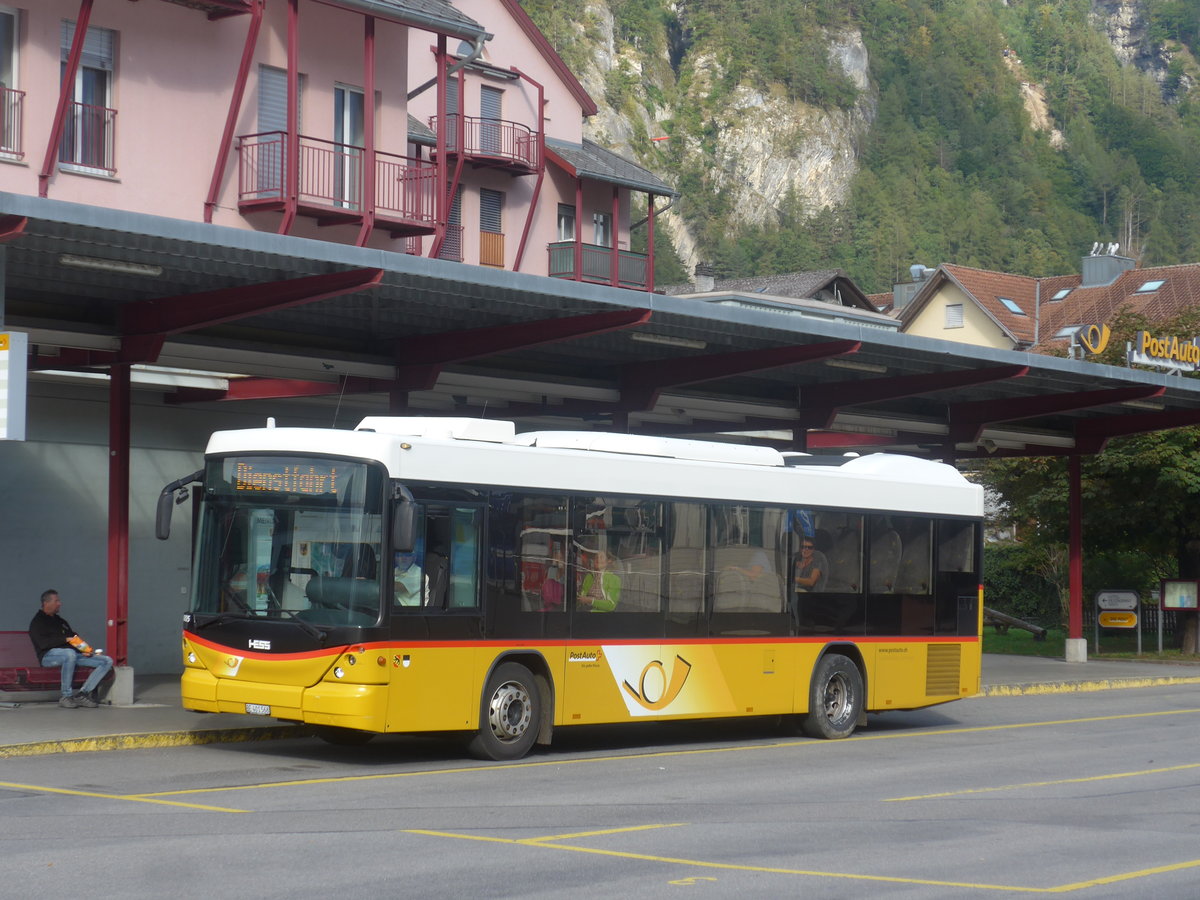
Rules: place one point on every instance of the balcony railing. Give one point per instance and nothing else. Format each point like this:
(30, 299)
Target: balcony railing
(597, 265)
(12, 104)
(89, 138)
(494, 139)
(331, 178)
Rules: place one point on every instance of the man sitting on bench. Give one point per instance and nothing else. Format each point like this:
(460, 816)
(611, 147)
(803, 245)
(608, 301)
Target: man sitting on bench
(55, 643)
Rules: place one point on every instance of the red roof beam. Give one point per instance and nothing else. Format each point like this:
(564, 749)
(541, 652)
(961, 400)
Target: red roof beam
(641, 383)
(190, 312)
(967, 420)
(819, 404)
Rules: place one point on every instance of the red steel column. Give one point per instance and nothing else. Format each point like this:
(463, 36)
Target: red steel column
(117, 632)
(368, 176)
(292, 157)
(66, 90)
(235, 105)
(650, 244)
(1075, 546)
(614, 271)
(578, 229)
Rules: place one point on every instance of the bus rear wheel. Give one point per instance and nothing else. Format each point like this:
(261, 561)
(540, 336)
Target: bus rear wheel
(835, 698)
(510, 714)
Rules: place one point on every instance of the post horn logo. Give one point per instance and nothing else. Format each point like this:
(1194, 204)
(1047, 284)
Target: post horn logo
(674, 684)
(1094, 338)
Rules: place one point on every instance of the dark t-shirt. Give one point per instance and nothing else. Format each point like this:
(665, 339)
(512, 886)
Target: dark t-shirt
(47, 632)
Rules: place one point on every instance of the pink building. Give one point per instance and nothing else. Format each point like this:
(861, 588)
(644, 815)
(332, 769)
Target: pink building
(251, 114)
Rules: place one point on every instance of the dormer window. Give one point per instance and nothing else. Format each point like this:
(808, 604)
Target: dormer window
(1149, 287)
(1066, 331)
(1061, 295)
(1011, 306)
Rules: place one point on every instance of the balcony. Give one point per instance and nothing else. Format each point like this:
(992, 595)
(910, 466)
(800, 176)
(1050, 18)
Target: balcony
(12, 104)
(493, 143)
(89, 139)
(597, 265)
(330, 184)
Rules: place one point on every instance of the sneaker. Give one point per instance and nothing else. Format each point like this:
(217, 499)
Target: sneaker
(85, 700)
(68, 702)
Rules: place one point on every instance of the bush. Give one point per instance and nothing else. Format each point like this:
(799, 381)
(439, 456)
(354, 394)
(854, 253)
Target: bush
(1011, 585)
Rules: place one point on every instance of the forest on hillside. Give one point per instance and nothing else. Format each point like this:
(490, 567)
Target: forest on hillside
(952, 169)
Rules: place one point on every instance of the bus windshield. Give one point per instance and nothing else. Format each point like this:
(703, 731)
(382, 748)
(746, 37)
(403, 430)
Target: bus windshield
(290, 537)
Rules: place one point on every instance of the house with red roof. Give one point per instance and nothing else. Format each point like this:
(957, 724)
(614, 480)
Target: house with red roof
(1021, 312)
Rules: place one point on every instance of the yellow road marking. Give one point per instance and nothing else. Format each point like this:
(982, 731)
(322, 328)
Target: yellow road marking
(580, 834)
(133, 798)
(1035, 784)
(815, 745)
(734, 867)
(812, 873)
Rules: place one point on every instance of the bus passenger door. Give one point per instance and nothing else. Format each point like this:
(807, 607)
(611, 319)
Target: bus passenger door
(434, 675)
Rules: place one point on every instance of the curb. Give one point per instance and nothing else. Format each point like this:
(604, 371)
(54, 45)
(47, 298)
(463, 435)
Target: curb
(1079, 687)
(156, 739)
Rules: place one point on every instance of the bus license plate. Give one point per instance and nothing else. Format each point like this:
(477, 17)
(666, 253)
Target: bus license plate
(258, 709)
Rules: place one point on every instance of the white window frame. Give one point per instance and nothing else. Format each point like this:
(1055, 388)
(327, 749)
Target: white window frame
(566, 222)
(13, 53)
(602, 235)
(77, 91)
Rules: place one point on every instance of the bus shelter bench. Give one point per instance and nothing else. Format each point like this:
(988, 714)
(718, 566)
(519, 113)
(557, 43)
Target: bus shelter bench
(24, 678)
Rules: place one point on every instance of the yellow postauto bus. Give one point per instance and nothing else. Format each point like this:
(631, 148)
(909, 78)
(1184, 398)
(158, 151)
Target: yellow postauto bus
(441, 574)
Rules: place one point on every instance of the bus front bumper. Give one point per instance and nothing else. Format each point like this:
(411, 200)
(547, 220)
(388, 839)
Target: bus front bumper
(342, 705)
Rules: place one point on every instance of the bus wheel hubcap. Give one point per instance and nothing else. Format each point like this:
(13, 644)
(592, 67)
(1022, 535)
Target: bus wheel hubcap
(837, 699)
(509, 712)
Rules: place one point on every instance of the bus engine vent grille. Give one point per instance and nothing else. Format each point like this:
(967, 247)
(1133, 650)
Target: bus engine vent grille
(942, 670)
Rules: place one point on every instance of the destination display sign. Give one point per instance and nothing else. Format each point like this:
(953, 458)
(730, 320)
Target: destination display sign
(284, 476)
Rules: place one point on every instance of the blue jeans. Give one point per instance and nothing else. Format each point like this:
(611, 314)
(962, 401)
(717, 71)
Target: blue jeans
(69, 658)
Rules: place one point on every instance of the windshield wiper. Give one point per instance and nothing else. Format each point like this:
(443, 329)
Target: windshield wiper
(309, 628)
(220, 619)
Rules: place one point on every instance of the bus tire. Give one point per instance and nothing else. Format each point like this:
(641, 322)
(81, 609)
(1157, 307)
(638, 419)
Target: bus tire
(343, 737)
(835, 698)
(510, 714)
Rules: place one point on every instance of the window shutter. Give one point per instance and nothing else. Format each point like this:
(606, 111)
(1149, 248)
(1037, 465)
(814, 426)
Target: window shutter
(954, 315)
(98, 46)
(491, 203)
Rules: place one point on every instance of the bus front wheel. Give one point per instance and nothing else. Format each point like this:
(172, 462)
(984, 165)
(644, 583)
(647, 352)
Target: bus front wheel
(510, 715)
(835, 698)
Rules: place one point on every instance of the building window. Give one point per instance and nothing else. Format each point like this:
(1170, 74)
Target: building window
(954, 315)
(1061, 295)
(89, 133)
(11, 99)
(566, 222)
(451, 248)
(602, 229)
(1149, 287)
(491, 235)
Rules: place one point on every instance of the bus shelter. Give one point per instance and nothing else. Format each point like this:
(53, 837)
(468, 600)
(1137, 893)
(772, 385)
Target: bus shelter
(277, 320)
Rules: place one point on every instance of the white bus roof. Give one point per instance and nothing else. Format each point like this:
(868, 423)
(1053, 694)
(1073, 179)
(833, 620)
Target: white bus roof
(491, 453)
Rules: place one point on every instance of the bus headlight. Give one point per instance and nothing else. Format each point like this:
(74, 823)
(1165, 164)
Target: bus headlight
(339, 672)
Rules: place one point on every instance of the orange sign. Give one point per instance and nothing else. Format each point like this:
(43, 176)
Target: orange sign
(1110, 619)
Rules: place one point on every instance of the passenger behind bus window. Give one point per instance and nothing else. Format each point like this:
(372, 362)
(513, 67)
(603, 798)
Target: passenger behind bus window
(812, 568)
(600, 589)
(758, 566)
(554, 585)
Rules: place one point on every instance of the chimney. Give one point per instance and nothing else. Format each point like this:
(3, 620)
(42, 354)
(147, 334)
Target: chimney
(1103, 266)
(706, 278)
(902, 294)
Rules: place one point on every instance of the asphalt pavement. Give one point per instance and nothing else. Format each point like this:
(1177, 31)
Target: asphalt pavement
(157, 719)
